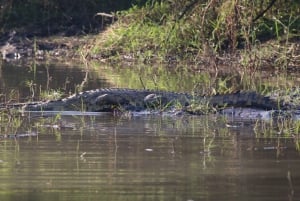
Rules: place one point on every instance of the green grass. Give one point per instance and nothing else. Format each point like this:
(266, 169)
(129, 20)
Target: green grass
(209, 30)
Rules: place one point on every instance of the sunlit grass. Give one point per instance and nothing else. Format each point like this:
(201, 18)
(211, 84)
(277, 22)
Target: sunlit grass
(205, 34)
(51, 94)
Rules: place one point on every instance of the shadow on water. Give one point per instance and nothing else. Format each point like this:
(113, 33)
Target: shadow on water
(140, 157)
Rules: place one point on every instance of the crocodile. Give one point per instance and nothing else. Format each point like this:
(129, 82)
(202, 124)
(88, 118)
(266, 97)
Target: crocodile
(112, 99)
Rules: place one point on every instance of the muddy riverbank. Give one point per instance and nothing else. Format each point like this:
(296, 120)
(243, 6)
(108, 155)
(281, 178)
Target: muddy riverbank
(17, 46)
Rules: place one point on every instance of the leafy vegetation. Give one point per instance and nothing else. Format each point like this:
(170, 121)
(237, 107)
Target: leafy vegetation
(51, 16)
(205, 31)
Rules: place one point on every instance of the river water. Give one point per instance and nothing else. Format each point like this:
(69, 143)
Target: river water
(101, 156)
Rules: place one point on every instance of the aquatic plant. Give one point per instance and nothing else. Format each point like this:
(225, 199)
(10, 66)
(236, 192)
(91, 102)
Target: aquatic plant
(50, 94)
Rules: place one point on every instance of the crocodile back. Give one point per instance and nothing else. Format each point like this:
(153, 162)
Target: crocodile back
(245, 99)
(135, 100)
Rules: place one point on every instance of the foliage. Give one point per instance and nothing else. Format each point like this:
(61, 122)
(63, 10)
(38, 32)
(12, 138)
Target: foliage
(161, 29)
(54, 15)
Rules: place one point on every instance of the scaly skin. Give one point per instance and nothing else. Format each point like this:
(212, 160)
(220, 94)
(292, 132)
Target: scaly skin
(103, 100)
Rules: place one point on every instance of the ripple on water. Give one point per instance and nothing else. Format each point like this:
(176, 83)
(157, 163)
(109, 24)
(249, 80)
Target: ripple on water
(147, 157)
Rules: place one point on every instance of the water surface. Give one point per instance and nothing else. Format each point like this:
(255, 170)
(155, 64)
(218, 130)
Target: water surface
(146, 158)
(102, 156)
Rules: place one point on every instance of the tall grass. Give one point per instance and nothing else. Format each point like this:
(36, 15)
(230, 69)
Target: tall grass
(176, 30)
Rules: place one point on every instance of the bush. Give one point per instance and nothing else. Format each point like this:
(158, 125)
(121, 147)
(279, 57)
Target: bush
(52, 16)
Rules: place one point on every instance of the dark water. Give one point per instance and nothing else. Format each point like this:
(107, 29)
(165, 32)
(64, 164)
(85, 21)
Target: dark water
(141, 157)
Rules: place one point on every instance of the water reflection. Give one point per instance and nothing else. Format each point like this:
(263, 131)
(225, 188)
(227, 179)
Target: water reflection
(146, 158)
(159, 157)
(28, 80)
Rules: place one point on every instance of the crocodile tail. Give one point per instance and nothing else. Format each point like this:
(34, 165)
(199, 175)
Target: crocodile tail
(245, 99)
